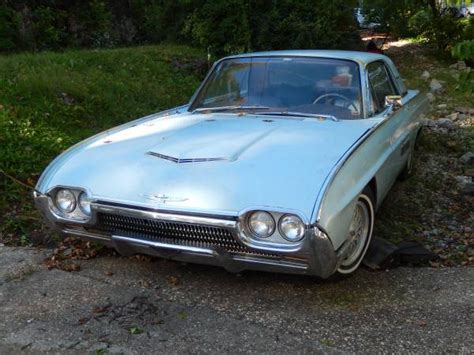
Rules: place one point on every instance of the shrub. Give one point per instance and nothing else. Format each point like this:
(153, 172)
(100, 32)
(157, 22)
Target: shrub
(464, 51)
(47, 28)
(165, 21)
(8, 29)
(225, 26)
(240, 25)
(420, 24)
(221, 25)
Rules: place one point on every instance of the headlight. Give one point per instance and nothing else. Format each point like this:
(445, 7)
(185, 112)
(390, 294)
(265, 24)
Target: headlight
(291, 228)
(65, 201)
(261, 224)
(85, 204)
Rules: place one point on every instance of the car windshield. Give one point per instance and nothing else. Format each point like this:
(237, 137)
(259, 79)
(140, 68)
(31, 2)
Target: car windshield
(296, 86)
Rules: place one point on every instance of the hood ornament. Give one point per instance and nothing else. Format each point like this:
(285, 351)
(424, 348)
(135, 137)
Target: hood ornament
(162, 198)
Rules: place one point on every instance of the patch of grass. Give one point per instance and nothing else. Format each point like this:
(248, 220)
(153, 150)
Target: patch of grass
(328, 342)
(49, 101)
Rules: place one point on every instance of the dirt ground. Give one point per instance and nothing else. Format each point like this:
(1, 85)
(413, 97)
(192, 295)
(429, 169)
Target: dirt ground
(126, 305)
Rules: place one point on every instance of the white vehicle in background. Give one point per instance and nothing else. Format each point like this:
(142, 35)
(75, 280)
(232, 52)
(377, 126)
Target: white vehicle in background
(467, 10)
(363, 21)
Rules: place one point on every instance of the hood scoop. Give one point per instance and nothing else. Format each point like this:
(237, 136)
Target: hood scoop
(185, 160)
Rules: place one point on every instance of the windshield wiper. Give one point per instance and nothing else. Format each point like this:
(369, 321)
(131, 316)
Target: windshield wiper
(300, 114)
(229, 108)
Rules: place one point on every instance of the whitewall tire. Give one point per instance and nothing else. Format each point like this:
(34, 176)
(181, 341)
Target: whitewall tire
(360, 233)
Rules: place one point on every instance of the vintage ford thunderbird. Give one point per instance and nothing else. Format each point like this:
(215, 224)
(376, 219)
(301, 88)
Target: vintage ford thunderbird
(278, 163)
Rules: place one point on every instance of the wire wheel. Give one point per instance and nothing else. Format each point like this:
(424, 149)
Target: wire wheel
(360, 234)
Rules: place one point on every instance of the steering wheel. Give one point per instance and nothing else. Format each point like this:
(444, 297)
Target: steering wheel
(348, 101)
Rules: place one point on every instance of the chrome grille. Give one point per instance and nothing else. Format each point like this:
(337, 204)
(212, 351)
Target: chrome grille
(173, 233)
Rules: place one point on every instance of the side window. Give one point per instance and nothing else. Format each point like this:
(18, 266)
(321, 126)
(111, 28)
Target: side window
(381, 85)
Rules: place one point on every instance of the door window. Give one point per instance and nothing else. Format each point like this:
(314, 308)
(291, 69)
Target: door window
(381, 85)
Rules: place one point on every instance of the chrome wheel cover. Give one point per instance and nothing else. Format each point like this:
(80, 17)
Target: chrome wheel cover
(360, 233)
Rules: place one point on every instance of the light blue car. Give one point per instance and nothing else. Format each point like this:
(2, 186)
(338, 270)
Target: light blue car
(278, 163)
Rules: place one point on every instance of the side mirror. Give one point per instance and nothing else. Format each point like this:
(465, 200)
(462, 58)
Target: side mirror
(393, 101)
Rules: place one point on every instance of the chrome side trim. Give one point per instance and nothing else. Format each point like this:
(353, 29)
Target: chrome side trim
(88, 235)
(153, 244)
(266, 262)
(165, 216)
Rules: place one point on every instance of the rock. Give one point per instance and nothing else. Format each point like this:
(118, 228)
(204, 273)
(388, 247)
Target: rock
(463, 181)
(460, 65)
(445, 123)
(426, 75)
(430, 97)
(469, 172)
(67, 99)
(470, 251)
(442, 106)
(454, 116)
(429, 123)
(468, 189)
(467, 158)
(435, 85)
(451, 144)
(464, 110)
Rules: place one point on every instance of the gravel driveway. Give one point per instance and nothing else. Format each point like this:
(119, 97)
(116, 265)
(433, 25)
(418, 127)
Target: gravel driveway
(127, 305)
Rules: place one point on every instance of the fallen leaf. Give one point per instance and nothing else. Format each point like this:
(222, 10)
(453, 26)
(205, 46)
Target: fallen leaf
(173, 280)
(135, 330)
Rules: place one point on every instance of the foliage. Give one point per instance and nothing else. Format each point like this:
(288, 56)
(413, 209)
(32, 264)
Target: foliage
(394, 15)
(422, 18)
(463, 50)
(420, 23)
(8, 28)
(222, 25)
(273, 25)
(225, 26)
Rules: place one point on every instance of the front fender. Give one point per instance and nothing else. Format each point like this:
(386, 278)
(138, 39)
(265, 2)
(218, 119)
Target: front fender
(355, 171)
(48, 173)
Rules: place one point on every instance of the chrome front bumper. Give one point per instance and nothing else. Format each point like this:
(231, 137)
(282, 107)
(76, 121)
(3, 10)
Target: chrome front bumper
(315, 257)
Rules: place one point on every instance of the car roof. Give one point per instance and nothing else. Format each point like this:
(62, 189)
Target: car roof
(357, 56)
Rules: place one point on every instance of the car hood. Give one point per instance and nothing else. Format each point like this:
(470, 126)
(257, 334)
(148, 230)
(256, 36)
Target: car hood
(211, 163)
